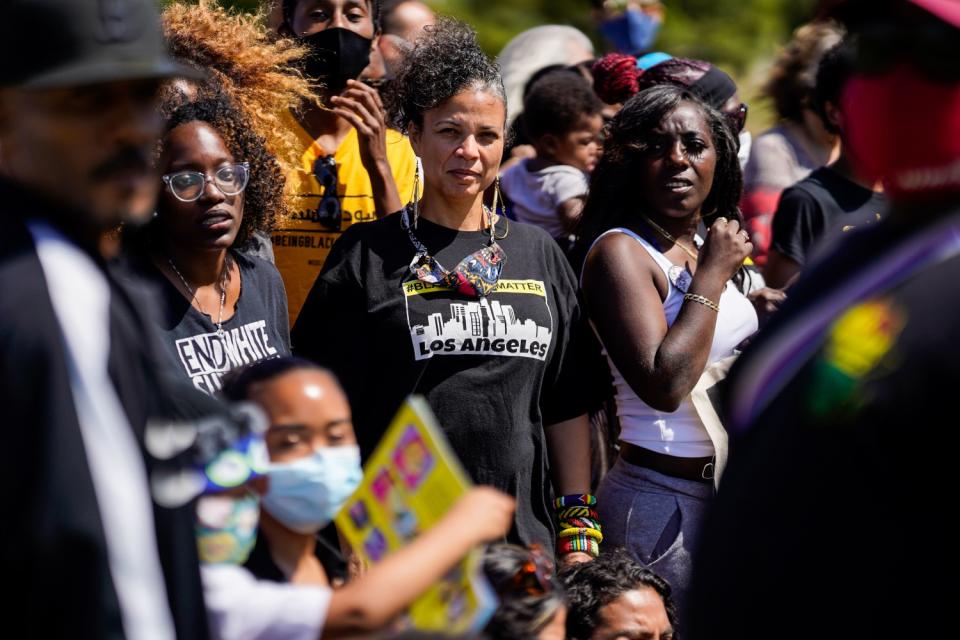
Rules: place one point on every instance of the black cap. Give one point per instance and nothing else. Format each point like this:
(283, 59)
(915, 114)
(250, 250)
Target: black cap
(65, 43)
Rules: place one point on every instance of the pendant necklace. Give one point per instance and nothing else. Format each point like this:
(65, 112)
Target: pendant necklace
(193, 294)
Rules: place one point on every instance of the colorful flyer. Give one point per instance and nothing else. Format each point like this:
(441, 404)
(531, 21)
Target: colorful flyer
(409, 483)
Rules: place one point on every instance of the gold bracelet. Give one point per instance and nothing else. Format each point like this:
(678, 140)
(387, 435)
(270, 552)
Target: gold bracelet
(707, 302)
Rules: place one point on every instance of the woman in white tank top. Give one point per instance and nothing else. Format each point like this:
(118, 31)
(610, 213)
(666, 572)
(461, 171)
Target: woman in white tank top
(665, 305)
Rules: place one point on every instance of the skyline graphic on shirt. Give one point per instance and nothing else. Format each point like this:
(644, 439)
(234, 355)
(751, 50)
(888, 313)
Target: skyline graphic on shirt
(481, 327)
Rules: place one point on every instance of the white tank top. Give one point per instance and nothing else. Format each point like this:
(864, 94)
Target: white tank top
(679, 433)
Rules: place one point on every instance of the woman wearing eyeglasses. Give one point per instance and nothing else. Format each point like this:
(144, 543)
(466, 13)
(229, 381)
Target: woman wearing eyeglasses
(220, 309)
(449, 300)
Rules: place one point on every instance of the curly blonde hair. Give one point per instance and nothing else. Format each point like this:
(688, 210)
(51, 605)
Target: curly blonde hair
(246, 63)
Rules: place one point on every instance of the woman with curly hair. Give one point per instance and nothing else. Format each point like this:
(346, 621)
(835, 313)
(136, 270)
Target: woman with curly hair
(244, 62)
(220, 309)
(666, 305)
(493, 343)
(255, 70)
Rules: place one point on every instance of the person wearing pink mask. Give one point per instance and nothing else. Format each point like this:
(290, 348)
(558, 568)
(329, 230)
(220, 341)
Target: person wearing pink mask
(841, 413)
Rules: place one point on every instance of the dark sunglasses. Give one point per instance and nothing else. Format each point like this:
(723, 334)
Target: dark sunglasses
(738, 118)
(329, 212)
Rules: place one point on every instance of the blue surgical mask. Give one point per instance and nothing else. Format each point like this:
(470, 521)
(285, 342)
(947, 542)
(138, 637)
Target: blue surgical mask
(227, 528)
(305, 494)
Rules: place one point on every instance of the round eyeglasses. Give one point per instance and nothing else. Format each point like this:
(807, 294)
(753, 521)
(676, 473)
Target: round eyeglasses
(188, 186)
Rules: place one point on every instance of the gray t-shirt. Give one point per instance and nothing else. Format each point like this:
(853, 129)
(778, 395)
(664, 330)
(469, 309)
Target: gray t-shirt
(537, 194)
(258, 329)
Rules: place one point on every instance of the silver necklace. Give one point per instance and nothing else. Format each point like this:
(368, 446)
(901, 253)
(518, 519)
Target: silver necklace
(193, 294)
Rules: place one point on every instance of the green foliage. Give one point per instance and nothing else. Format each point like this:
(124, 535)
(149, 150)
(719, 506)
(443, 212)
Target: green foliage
(731, 33)
(740, 36)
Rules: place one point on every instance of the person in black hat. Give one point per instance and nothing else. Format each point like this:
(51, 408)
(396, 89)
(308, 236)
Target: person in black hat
(86, 550)
(832, 519)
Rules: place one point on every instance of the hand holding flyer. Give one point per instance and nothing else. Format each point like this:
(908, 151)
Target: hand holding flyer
(410, 483)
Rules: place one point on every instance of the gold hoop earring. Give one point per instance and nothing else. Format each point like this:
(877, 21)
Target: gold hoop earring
(417, 170)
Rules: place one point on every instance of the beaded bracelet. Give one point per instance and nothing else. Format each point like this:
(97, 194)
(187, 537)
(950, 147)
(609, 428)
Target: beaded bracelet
(577, 512)
(707, 302)
(578, 544)
(575, 500)
(579, 524)
(575, 532)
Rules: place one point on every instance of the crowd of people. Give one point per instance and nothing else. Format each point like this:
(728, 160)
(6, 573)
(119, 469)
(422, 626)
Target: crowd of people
(697, 377)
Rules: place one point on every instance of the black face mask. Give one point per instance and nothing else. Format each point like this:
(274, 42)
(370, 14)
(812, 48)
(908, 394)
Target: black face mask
(336, 55)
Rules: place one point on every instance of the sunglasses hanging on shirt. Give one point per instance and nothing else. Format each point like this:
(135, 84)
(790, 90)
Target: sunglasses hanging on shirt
(329, 212)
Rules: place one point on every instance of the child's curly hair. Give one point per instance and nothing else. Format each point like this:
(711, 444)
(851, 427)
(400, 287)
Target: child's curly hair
(264, 193)
(248, 64)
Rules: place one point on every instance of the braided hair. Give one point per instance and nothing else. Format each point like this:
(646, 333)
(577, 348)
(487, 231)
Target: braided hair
(626, 144)
(616, 77)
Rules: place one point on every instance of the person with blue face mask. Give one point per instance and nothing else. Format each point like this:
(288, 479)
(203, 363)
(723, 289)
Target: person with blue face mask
(314, 466)
(631, 26)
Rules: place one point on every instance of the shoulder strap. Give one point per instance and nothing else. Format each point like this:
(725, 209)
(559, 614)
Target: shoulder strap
(660, 259)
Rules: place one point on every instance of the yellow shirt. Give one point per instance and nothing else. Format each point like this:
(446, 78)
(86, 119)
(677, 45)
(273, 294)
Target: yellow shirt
(302, 244)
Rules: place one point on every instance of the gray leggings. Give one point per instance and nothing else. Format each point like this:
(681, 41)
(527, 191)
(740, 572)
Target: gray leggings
(656, 518)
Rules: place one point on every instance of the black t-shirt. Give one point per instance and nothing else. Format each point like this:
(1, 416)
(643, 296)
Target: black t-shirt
(818, 207)
(494, 370)
(258, 329)
(843, 448)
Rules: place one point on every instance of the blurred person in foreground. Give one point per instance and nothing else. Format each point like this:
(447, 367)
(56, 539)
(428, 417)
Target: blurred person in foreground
(532, 604)
(88, 552)
(799, 143)
(313, 468)
(834, 199)
(614, 597)
(833, 508)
